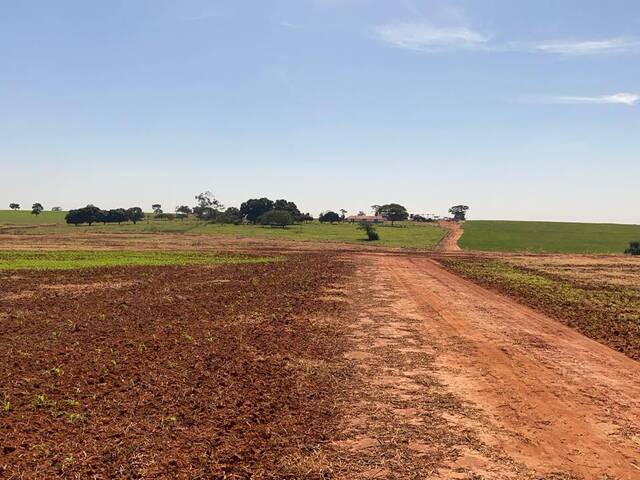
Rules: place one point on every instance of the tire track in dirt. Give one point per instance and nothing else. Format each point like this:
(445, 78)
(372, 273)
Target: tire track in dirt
(549, 402)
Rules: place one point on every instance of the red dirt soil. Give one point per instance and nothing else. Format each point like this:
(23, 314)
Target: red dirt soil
(550, 398)
(338, 365)
(449, 242)
(193, 372)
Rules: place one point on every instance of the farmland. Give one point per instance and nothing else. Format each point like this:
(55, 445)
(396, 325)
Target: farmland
(156, 354)
(153, 371)
(68, 259)
(552, 237)
(403, 234)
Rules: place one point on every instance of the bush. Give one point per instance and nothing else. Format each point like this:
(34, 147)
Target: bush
(370, 230)
(276, 218)
(634, 249)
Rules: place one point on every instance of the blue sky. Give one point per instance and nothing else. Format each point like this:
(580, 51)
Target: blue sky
(520, 109)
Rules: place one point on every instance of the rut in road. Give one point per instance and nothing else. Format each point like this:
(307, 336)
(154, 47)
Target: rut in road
(458, 382)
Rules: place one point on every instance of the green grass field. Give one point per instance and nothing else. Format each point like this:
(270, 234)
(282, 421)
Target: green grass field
(67, 259)
(24, 217)
(408, 235)
(555, 237)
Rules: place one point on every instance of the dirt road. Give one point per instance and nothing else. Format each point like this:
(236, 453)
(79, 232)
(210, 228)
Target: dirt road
(449, 242)
(459, 382)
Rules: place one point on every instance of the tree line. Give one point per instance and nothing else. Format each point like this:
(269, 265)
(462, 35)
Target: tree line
(262, 211)
(92, 214)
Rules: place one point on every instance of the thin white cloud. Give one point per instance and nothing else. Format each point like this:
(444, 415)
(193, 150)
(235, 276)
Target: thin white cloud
(623, 98)
(428, 38)
(610, 46)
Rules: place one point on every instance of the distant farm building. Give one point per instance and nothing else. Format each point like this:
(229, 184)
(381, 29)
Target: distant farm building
(365, 218)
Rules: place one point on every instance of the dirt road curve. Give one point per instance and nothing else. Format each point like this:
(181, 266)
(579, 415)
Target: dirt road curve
(526, 397)
(449, 242)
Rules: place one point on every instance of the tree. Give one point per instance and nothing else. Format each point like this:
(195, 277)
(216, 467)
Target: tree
(36, 208)
(185, 210)
(329, 217)
(230, 215)
(343, 214)
(135, 214)
(287, 206)
(305, 217)
(376, 209)
(74, 217)
(117, 215)
(157, 208)
(634, 249)
(14, 206)
(393, 212)
(56, 209)
(253, 208)
(207, 206)
(459, 212)
(276, 218)
(89, 214)
(362, 214)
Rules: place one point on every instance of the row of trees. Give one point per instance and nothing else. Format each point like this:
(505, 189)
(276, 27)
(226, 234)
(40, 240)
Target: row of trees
(92, 214)
(36, 208)
(255, 210)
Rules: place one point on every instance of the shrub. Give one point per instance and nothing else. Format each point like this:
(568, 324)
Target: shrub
(370, 230)
(634, 249)
(276, 218)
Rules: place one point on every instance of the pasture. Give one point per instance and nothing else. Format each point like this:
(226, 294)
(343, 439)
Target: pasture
(25, 217)
(552, 237)
(403, 234)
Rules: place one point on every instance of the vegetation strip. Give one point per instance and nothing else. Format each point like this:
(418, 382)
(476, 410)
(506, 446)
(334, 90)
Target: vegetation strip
(607, 313)
(71, 259)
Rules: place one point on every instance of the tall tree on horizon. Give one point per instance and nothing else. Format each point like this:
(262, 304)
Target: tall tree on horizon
(36, 208)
